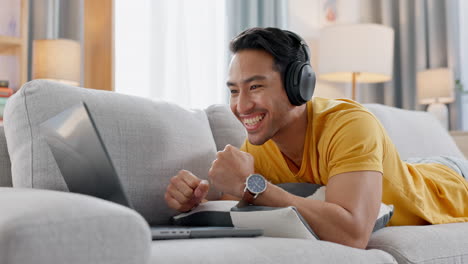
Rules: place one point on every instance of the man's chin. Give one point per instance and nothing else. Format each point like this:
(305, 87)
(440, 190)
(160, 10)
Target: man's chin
(257, 141)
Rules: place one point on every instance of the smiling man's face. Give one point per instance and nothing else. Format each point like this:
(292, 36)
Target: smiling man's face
(258, 98)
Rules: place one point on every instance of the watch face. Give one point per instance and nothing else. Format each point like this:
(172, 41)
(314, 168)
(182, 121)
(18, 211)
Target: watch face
(256, 183)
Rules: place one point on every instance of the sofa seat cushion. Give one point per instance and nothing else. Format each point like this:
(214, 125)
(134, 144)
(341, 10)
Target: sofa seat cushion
(434, 244)
(261, 250)
(148, 141)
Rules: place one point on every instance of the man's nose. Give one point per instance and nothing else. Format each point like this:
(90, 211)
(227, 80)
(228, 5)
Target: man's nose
(245, 103)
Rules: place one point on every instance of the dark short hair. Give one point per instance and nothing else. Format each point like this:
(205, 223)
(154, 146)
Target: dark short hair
(275, 41)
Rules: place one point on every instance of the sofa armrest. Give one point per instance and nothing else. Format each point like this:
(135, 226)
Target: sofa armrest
(461, 138)
(41, 226)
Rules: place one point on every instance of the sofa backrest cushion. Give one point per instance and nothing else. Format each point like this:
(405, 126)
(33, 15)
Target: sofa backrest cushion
(415, 133)
(148, 141)
(5, 165)
(225, 127)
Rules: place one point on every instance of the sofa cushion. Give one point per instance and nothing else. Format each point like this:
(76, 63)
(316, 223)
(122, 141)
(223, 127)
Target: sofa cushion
(434, 244)
(261, 250)
(415, 133)
(5, 165)
(148, 141)
(225, 127)
(45, 227)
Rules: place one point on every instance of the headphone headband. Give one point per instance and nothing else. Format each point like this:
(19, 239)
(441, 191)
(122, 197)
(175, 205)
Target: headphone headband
(299, 77)
(301, 41)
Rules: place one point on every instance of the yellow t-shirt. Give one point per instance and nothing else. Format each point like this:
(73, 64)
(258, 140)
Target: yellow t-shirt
(343, 136)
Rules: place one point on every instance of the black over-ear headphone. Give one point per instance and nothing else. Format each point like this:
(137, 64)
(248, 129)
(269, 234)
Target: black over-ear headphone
(299, 77)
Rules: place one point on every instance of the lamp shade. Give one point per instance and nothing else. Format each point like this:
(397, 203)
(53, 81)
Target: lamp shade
(365, 49)
(57, 59)
(435, 85)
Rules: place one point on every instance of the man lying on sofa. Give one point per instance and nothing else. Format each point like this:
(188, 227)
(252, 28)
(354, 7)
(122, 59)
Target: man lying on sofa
(337, 143)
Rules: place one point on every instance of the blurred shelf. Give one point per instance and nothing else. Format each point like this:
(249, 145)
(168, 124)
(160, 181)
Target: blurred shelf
(8, 40)
(16, 73)
(8, 44)
(17, 47)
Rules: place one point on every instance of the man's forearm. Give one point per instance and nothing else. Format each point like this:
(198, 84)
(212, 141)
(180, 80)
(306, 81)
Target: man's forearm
(329, 221)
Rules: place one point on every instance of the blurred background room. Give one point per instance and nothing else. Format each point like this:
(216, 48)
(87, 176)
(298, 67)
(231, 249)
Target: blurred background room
(404, 53)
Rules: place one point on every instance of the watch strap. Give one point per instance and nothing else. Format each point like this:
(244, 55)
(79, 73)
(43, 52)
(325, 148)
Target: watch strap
(248, 196)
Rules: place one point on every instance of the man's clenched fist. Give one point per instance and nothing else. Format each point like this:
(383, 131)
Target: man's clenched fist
(230, 170)
(185, 191)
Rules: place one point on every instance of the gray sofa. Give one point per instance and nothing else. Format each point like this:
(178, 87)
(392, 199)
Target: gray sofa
(149, 141)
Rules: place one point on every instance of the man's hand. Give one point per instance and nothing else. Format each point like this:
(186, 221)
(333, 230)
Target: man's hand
(230, 169)
(185, 191)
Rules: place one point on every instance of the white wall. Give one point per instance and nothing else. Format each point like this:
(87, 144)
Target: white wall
(306, 17)
(304, 20)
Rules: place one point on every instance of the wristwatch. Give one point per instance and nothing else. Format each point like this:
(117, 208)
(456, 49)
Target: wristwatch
(255, 184)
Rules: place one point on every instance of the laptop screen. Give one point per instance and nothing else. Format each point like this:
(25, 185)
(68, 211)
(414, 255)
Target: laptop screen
(81, 156)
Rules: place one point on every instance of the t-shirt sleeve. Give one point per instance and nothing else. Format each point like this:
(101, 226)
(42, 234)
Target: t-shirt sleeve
(353, 141)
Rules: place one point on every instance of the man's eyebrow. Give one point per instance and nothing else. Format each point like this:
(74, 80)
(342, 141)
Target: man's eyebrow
(253, 78)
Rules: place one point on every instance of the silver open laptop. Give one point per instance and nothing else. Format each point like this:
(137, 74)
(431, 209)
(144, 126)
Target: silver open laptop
(87, 168)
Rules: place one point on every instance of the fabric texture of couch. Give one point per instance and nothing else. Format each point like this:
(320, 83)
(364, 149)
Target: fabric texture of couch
(44, 227)
(150, 141)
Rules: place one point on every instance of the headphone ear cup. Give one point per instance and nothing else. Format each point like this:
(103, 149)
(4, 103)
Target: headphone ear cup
(289, 81)
(306, 85)
(299, 82)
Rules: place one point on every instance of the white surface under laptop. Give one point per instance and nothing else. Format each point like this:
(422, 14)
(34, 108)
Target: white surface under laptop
(86, 167)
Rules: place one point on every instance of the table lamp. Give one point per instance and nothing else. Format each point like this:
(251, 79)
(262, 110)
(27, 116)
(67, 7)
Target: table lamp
(58, 60)
(356, 53)
(436, 88)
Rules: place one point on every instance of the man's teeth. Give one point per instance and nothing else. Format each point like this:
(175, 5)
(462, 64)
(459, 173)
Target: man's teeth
(253, 121)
